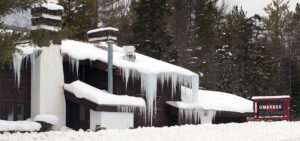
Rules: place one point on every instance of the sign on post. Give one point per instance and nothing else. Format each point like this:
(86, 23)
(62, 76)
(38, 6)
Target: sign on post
(271, 107)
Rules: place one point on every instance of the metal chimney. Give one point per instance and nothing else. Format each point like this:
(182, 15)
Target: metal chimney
(107, 35)
(47, 16)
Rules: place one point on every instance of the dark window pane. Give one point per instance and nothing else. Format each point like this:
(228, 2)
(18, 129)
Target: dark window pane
(82, 113)
(78, 112)
(20, 110)
(10, 111)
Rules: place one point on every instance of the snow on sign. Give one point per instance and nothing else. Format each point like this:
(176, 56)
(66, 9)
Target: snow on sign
(271, 107)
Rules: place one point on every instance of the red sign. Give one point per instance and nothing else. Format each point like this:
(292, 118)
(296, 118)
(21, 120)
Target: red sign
(271, 107)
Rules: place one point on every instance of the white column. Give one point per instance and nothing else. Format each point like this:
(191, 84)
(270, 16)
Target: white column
(48, 94)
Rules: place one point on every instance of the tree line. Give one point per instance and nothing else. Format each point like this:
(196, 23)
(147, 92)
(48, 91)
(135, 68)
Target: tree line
(231, 52)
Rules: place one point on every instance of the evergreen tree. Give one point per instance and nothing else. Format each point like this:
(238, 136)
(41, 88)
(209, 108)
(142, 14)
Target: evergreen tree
(278, 34)
(9, 6)
(116, 13)
(207, 25)
(79, 17)
(9, 39)
(149, 27)
(295, 45)
(242, 59)
(295, 66)
(179, 26)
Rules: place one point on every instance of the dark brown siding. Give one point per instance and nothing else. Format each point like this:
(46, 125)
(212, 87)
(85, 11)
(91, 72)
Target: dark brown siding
(9, 91)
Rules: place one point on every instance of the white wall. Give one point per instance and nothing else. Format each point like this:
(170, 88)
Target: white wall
(111, 120)
(48, 96)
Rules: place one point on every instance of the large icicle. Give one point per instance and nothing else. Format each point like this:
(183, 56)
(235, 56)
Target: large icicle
(17, 61)
(149, 87)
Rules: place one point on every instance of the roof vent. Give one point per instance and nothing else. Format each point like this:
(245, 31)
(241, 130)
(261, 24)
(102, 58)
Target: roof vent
(103, 34)
(47, 16)
(129, 52)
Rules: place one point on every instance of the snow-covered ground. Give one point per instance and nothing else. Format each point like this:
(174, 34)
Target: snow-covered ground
(253, 131)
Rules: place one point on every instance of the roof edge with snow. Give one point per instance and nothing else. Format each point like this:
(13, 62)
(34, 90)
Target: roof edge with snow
(101, 97)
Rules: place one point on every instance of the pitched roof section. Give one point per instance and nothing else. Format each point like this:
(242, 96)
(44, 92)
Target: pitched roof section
(213, 100)
(144, 64)
(101, 97)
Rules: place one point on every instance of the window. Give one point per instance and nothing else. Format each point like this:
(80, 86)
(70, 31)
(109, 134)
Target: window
(20, 111)
(15, 111)
(82, 113)
(78, 112)
(10, 110)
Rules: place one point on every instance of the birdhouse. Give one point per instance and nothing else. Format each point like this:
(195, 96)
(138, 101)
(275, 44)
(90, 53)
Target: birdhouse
(103, 34)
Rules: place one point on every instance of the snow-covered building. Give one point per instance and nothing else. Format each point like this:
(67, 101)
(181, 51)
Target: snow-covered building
(70, 82)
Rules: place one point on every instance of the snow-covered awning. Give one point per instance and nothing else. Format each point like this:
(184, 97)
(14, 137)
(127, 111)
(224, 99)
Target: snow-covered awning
(213, 100)
(101, 97)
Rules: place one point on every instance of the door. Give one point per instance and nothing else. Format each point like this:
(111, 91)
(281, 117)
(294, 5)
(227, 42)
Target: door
(78, 116)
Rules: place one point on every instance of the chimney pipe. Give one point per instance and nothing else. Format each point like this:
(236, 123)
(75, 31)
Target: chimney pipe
(110, 65)
(108, 35)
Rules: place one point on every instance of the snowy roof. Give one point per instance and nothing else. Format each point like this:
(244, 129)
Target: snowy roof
(48, 118)
(101, 97)
(19, 125)
(270, 97)
(82, 51)
(213, 100)
(102, 29)
(28, 49)
(50, 6)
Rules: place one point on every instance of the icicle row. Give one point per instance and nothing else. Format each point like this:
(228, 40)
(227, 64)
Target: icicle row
(17, 63)
(196, 115)
(74, 65)
(130, 109)
(149, 85)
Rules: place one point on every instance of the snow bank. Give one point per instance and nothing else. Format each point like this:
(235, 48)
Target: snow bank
(25, 51)
(48, 118)
(149, 70)
(101, 97)
(252, 131)
(19, 125)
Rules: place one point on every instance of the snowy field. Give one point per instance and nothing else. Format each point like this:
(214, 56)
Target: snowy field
(254, 131)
